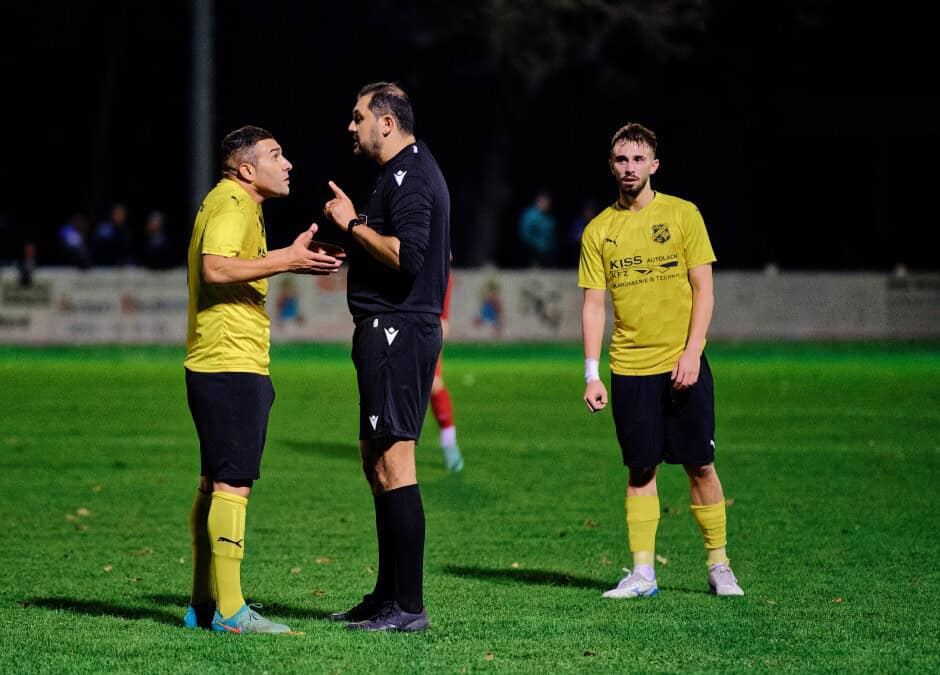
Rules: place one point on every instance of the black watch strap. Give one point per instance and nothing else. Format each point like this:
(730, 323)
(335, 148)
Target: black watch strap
(361, 219)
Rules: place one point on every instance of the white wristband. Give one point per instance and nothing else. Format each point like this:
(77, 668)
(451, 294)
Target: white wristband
(590, 370)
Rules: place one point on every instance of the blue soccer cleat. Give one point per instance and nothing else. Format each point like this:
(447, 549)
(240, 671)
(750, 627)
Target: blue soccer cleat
(199, 616)
(246, 620)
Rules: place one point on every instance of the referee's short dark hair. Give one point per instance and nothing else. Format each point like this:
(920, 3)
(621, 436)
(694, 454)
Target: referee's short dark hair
(237, 145)
(388, 98)
(636, 132)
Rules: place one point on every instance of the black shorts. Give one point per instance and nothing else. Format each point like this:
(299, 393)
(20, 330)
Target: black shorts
(230, 411)
(656, 423)
(395, 356)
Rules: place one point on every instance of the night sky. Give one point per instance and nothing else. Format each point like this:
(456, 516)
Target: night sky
(807, 132)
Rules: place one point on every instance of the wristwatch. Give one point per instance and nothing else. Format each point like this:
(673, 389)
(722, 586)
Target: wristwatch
(361, 219)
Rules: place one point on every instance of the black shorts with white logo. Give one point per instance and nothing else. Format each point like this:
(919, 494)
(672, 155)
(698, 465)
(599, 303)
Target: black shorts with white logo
(230, 411)
(395, 355)
(656, 423)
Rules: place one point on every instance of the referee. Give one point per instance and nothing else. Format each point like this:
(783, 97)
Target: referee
(399, 261)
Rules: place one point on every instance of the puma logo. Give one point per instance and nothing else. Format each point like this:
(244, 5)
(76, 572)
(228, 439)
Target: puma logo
(226, 540)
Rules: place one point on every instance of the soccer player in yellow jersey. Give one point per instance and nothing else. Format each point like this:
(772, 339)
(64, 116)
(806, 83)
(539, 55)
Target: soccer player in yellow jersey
(651, 251)
(227, 382)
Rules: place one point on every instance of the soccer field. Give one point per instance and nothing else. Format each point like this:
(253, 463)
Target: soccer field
(829, 455)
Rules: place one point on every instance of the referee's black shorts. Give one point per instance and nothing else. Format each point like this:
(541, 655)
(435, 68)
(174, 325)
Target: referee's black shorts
(656, 423)
(230, 411)
(395, 355)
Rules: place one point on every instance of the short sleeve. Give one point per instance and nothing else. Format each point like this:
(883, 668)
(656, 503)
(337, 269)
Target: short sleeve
(225, 231)
(698, 248)
(591, 266)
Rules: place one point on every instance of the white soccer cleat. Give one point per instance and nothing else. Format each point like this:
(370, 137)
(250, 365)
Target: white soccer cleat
(722, 580)
(633, 586)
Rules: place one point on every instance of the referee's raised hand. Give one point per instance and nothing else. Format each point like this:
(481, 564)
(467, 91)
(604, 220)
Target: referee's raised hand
(340, 209)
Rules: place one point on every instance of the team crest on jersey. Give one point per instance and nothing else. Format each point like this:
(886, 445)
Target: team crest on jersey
(660, 233)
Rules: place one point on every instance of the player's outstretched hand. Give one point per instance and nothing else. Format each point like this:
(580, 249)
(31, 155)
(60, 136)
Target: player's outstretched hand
(595, 395)
(303, 260)
(340, 209)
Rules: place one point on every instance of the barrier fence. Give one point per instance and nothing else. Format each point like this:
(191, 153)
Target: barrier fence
(135, 306)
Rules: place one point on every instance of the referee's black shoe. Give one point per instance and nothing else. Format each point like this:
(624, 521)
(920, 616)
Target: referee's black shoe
(393, 618)
(369, 607)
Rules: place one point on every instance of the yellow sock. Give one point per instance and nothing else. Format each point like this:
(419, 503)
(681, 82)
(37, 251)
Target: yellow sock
(202, 550)
(227, 536)
(712, 520)
(642, 521)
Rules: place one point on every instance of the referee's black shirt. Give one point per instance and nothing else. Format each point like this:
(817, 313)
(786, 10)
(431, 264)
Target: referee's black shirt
(411, 202)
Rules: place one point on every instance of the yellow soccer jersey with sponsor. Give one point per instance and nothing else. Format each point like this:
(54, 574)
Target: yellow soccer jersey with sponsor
(229, 329)
(643, 257)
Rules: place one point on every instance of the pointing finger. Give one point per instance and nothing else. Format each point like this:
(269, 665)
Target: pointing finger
(337, 191)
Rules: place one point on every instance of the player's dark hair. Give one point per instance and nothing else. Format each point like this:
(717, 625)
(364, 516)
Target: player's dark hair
(390, 99)
(238, 146)
(636, 132)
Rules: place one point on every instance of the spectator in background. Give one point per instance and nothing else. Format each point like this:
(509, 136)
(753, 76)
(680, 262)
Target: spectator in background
(578, 223)
(27, 264)
(537, 231)
(73, 242)
(157, 251)
(112, 241)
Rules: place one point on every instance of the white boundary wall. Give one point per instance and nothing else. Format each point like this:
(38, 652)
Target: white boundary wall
(132, 306)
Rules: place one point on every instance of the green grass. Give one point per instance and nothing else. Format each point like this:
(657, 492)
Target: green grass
(830, 453)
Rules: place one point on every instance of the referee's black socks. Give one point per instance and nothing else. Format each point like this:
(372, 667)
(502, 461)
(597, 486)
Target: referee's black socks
(386, 579)
(404, 525)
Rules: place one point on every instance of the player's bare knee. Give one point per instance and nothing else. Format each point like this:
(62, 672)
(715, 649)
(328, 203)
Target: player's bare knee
(700, 472)
(703, 474)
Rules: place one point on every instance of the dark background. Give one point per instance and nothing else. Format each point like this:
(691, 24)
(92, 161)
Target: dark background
(806, 131)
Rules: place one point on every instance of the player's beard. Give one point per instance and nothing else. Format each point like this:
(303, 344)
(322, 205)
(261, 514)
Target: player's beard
(631, 193)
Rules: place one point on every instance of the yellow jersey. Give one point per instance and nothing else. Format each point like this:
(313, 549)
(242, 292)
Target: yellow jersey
(228, 328)
(644, 257)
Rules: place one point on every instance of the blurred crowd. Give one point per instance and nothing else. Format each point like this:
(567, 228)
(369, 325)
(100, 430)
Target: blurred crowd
(119, 238)
(114, 240)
